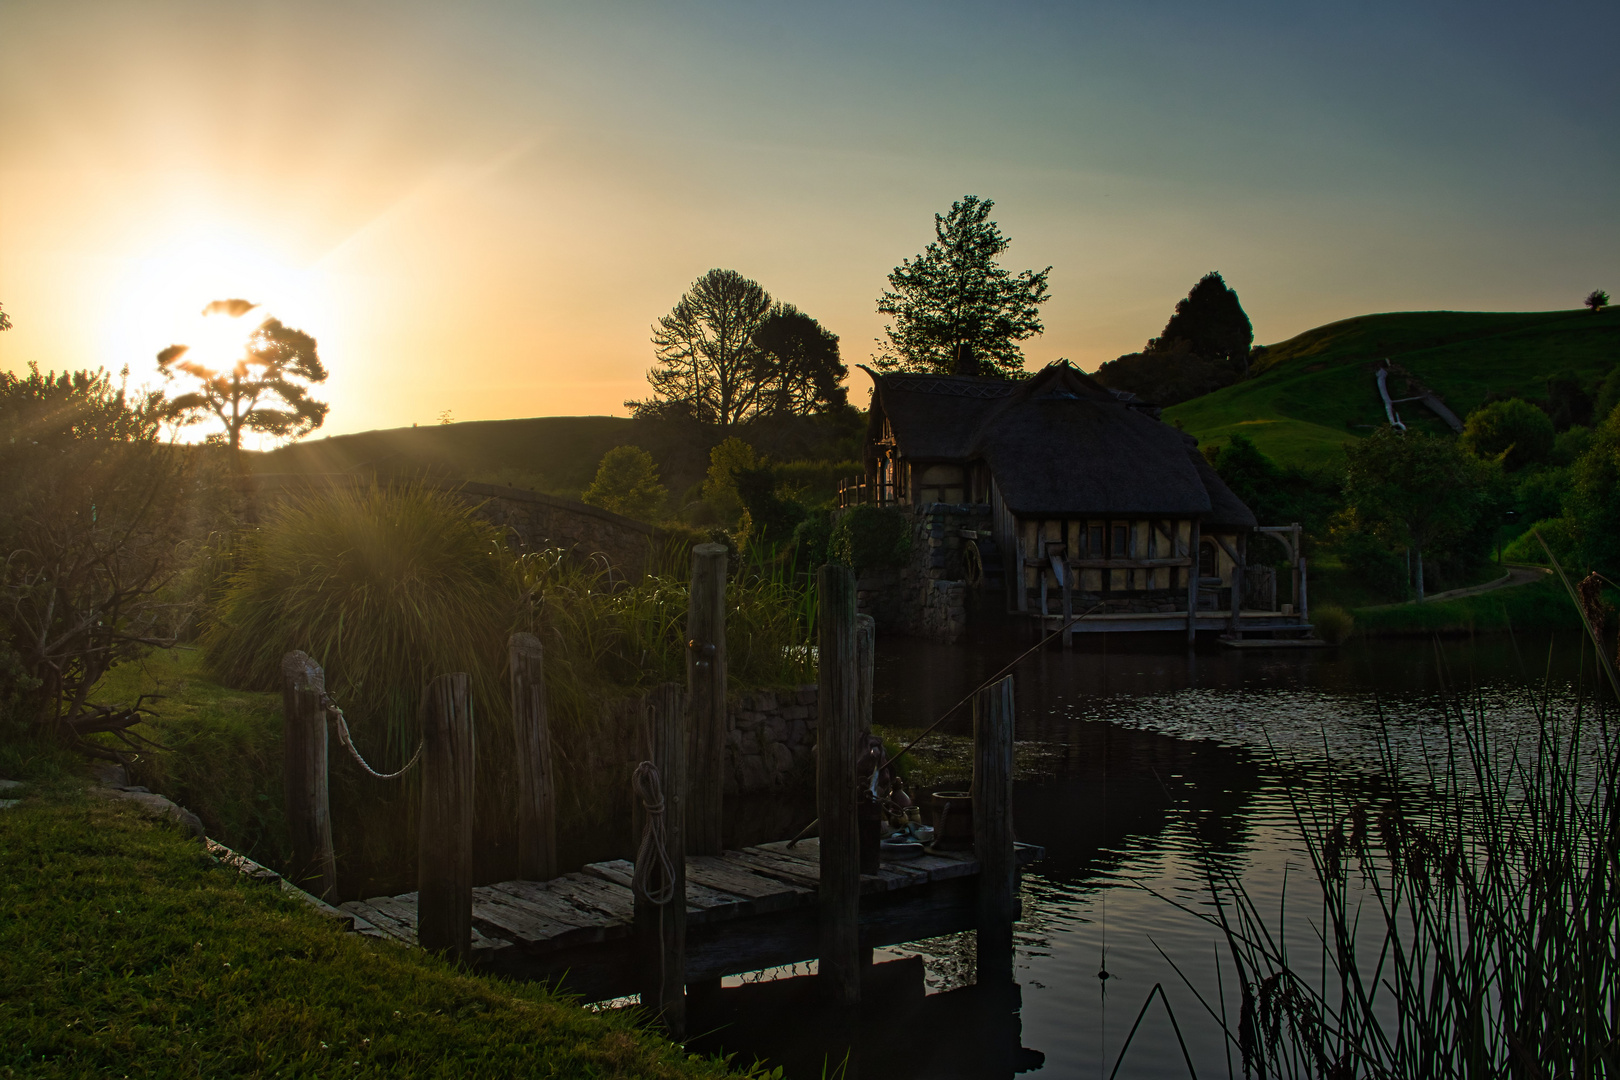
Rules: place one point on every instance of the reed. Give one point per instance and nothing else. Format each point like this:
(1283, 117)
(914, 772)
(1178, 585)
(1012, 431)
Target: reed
(1470, 918)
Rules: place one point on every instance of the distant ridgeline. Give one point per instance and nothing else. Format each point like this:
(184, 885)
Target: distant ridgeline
(1309, 395)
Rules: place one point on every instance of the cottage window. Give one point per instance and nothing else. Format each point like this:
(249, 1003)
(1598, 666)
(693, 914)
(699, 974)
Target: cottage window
(1122, 540)
(1094, 541)
(1208, 566)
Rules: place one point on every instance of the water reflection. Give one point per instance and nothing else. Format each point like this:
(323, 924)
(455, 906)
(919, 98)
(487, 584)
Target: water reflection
(1163, 761)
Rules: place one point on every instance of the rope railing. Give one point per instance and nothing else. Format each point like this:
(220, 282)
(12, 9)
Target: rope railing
(348, 744)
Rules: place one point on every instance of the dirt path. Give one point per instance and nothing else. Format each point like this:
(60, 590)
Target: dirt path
(1516, 575)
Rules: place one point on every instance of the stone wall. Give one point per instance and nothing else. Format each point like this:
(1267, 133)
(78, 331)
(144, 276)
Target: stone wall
(770, 741)
(928, 596)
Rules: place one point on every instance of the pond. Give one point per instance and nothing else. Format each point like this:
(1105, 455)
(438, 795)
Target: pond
(1157, 761)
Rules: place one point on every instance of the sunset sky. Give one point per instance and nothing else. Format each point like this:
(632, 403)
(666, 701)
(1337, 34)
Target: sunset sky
(482, 207)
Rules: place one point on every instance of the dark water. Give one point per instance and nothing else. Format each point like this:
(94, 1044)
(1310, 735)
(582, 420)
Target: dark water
(1156, 758)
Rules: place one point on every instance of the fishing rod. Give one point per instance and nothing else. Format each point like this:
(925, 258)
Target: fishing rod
(948, 713)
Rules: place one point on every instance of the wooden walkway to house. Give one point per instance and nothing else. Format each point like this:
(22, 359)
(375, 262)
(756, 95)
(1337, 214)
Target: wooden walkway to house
(764, 897)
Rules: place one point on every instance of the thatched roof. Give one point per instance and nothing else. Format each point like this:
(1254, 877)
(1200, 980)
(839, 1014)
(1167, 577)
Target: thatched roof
(1057, 443)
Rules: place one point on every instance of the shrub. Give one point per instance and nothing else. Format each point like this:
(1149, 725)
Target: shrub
(1559, 532)
(626, 483)
(867, 537)
(1594, 499)
(1514, 431)
(1333, 623)
(385, 588)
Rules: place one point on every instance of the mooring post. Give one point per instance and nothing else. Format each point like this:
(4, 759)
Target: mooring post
(837, 739)
(706, 696)
(444, 851)
(537, 790)
(1239, 556)
(993, 826)
(865, 664)
(304, 775)
(660, 876)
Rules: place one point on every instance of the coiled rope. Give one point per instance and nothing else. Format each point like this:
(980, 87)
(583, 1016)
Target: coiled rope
(348, 742)
(652, 858)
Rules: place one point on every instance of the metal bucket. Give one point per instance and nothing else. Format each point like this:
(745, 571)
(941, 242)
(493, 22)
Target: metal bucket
(953, 820)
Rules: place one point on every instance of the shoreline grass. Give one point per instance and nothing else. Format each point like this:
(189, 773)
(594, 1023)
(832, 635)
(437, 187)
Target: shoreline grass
(1539, 605)
(128, 951)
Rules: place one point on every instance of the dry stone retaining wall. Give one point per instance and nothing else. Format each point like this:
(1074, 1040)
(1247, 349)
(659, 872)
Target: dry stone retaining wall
(770, 740)
(928, 596)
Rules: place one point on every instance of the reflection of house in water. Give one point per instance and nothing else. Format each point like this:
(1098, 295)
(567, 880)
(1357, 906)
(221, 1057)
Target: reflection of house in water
(1070, 497)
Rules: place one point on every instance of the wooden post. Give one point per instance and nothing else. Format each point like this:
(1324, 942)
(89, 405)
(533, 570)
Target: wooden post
(1304, 593)
(537, 789)
(837, 737)
(661, 927)
(444, 854)
(706, 694)
(993, 825)
(865, 661)
(304, 776)
(1192, 582)
(1238, 553)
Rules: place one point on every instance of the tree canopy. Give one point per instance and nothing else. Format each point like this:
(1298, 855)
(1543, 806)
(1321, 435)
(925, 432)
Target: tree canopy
(956, 310)
(1211, 322)
(266, 389)
(1416, 490)
(626, 483)
(728, 353)
(1514, 432)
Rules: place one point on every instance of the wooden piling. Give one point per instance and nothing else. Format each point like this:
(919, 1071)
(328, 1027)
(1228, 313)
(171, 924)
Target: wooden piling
(444, 853)
(304, 776)
(661, 927)
(837, 739)
(537, 790)
(993, 826)
(706, 697)
(1192, 583)
(865, 665)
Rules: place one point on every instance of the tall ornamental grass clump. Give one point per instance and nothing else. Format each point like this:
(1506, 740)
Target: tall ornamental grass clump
(385, 588)
(1470, 921)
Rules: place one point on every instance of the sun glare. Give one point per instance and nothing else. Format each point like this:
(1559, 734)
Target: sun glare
(163, 292)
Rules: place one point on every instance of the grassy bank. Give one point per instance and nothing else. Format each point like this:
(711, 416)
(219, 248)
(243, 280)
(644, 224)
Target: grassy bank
(1540, 605)
(127, 951)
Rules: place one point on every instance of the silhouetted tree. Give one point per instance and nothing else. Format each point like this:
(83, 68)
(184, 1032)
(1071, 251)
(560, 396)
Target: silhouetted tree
(626, 483)
(266, 389)
(5, 320)
(1211, 322)
(956, 310)
(706, 363)
(1165, 377)
(1597, 300)
(798, 364)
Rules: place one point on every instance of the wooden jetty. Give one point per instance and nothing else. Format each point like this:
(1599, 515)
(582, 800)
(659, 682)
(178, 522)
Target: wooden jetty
(745, 910)
(685, 913)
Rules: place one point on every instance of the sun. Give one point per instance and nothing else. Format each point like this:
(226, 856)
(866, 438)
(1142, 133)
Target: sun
(166, 288)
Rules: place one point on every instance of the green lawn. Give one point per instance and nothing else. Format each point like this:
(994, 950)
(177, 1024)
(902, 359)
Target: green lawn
(126, 951)
(1314, 392)
(1540, 605)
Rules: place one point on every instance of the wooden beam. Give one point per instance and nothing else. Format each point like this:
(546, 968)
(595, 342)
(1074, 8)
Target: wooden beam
(993, 825)
(706, 696)
(444, 853)
(537, 788)
(305, 776)
(660, 887)
(837, 743)
(1192, 582)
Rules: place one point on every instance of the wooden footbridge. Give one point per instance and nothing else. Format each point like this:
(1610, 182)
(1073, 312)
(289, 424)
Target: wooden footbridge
(615, 928)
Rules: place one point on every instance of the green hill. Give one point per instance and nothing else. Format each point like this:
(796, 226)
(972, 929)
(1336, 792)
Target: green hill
(555, 454)
(1314, 392)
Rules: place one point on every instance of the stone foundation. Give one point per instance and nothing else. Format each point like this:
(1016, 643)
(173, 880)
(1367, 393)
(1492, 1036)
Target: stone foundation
(928, 596)
(770, 741)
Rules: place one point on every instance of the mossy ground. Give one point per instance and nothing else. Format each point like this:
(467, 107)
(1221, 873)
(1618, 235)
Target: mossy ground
(126, 951)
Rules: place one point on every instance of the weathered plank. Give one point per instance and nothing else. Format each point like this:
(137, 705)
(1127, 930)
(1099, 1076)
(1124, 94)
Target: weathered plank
(381, 920)
(444, 859)
(702, 902)
(537, 789)
(503, 914)
(614, 901)
(765, 893)
(793, 871)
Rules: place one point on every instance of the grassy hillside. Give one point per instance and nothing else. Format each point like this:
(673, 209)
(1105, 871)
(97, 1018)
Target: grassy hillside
(554, 454)
(1314, 392)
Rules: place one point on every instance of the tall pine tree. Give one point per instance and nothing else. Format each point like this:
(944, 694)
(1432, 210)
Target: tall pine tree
(1212, 324)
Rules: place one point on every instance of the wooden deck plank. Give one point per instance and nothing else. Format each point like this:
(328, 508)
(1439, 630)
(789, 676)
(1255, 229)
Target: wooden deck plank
(703, 904)
(539, 897)
(394, 929)
(614, 901)
(793, 871)
(507, 916)
(767, 894)
(402, 909)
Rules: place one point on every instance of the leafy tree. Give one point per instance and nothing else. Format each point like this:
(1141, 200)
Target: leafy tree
(1277, 494)
(626, 483)
(706, 363)
(1597, 300)
(1514, 431)
(1417, 490)
(5, 320)
(956, 310)
(798, 363)
(726, 461)
(1608, 396)
(1594, 499)
(96, 507)
(1166, 376)
(771, 517)
(265, 390)
(1212, 323)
